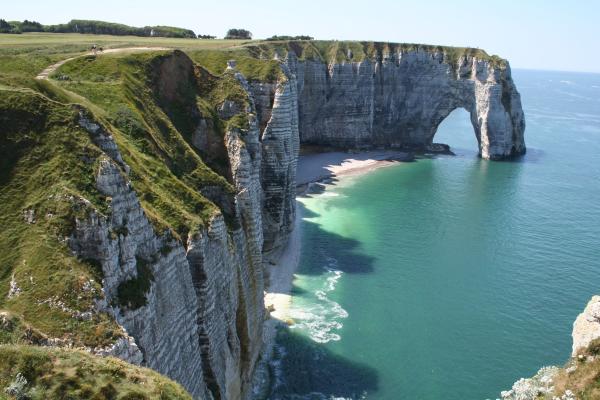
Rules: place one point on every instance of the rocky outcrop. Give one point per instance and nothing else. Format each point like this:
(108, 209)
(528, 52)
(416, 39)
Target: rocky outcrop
(201, 322)
(397, 99)
(532, 388)
(585, 330)
(587, 326)
(277, 106)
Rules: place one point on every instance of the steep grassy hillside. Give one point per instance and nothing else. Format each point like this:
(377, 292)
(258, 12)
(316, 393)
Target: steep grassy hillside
(151, 103)
(48, 165)
(156, 101)
(36, 373)
(47, 169)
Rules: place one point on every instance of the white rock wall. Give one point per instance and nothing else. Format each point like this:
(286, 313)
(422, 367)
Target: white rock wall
(399, 101)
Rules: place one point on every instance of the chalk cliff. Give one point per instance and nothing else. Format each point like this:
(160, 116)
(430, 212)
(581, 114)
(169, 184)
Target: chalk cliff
(576, 379)
(397, 98)
(201, 323)
(587, 326)
(187, 287)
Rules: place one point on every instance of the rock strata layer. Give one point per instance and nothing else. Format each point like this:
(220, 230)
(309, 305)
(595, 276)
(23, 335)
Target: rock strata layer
(398, 100)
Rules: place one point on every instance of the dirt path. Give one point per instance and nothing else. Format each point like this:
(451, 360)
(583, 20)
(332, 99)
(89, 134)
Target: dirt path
(48, 70)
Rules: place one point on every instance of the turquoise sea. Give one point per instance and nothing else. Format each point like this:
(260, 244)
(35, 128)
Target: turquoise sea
(451, 277)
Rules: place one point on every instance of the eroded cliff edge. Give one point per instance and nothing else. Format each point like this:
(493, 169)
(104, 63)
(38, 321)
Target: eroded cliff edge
(189, 183)
(578, 378)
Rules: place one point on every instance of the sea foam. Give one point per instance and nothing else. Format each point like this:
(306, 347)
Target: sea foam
(321, 317)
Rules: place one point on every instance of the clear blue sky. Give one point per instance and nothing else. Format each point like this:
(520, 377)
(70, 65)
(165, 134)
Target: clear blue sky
(551, 34)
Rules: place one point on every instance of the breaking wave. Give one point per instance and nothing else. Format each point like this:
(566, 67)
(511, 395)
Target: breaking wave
(321, 317)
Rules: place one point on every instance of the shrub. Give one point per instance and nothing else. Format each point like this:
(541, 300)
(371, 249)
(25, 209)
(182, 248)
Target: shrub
(18, 388)
(31, 26)
(7, 27)
(132, 292)
(286, 37)
(594, 347)
(238, 34)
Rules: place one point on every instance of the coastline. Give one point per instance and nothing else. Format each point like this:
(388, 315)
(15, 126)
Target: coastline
(317, 167)
(327, 168)
(313, 168)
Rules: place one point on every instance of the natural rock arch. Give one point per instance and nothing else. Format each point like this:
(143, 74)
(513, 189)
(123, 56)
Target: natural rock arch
(399, 100)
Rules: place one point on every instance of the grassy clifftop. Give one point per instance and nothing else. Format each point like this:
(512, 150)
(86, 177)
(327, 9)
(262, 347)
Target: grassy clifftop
(47, 169)
(22, 56)
(151, 103)
(348, 51)
(36, 373)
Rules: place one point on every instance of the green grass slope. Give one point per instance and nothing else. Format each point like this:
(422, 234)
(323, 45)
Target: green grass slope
(581, 375)
(48, 165)
(155, 113)
(42, 173)
(37, 373)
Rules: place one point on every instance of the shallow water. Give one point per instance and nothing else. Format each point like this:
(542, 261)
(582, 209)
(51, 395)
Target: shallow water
(452, 277)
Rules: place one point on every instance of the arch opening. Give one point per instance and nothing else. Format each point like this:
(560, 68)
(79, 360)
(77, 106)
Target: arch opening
(459, 131)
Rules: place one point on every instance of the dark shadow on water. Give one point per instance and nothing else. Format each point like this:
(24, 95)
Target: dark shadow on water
(298, 291)
(306, 213)
(531, 156)
(322, 250)
(310, 369)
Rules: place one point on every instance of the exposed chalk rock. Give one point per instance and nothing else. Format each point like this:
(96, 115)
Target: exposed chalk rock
(585, 329)
(532, 388)
(587, 325)
(398, 100)
(124, 348)
(203, 318)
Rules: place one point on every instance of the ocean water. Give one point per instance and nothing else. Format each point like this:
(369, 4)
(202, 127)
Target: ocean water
(451, 277)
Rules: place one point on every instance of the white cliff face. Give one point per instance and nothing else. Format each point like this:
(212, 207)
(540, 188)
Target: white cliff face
(165, 328)
(202, 321)
(280, 147)
(585, 329)
(398, 100)
(228, 274)
(587, 326)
